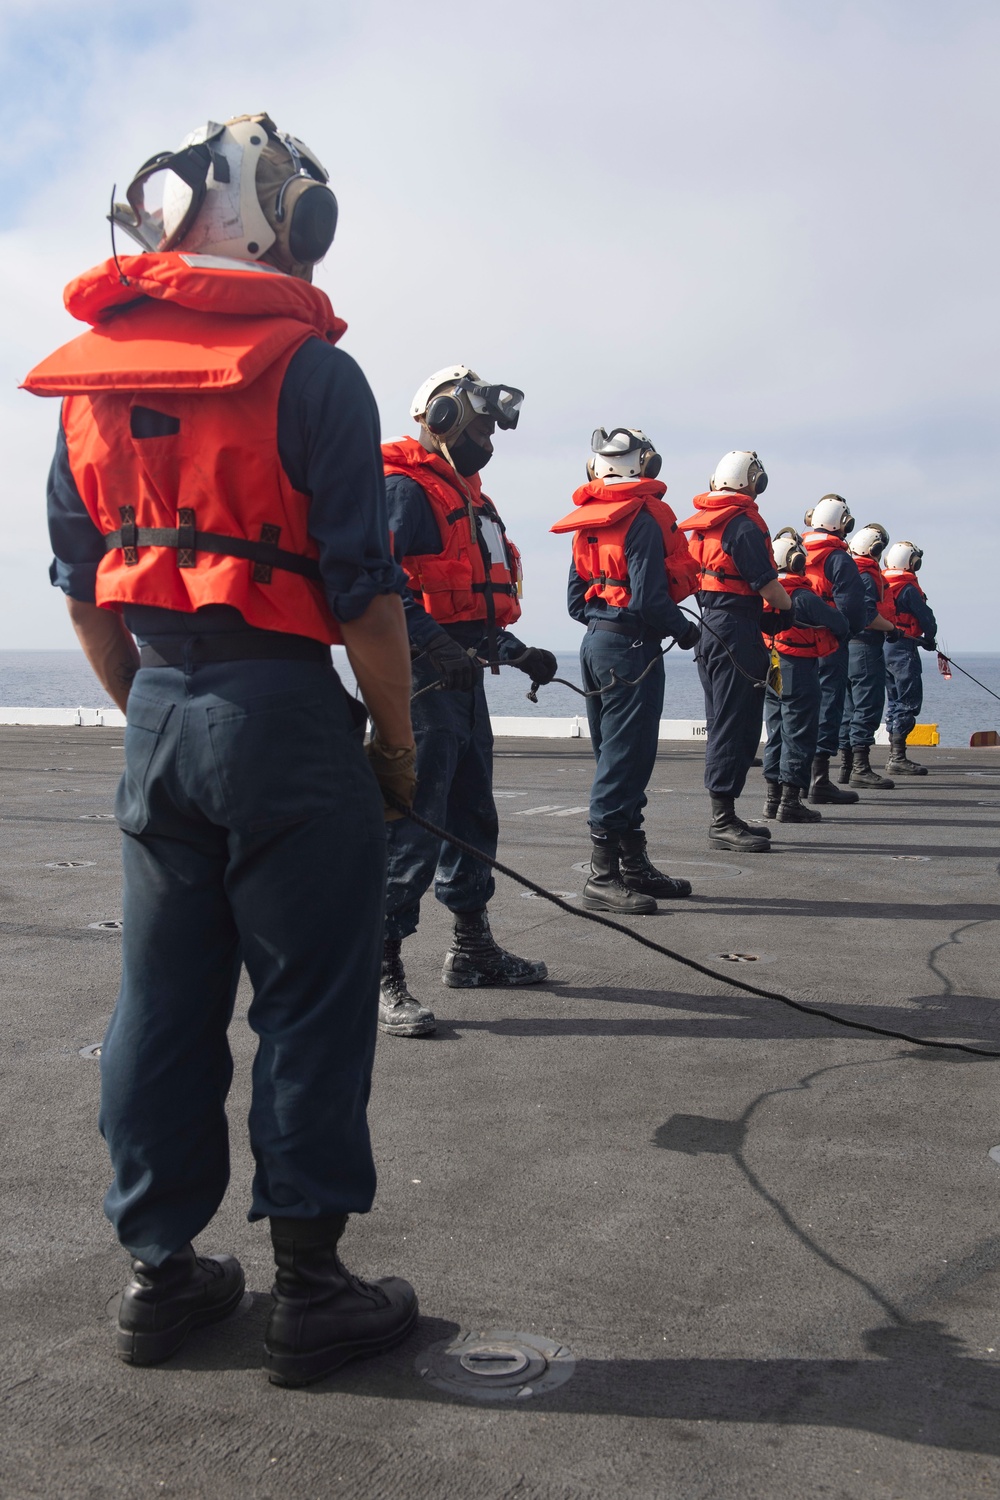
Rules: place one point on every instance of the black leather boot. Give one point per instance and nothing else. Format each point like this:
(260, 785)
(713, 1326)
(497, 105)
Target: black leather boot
(863, 775)
(475, 959)
(773, 799)
(161, 1304)
(638, 874)
(822, 789)
(323, 1316)
(898, 763)
(846, 764)
(793, 809)
(399, 1014)
(605, 889)
(730, 832)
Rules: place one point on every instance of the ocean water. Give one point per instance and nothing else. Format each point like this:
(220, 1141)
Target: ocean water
(57, 679)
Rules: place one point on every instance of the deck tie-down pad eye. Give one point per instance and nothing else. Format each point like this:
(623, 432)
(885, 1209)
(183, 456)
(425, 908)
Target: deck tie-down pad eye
(496, 1365)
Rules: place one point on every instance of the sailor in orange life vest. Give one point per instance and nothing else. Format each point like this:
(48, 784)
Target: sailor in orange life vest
(630, 568)
(464, 576)
(917, 627)
(217, 492)
(864, 700)
(833, 574)
(737, 576)
(792, 716)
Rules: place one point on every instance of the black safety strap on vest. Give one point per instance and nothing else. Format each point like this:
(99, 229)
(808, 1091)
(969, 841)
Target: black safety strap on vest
(604, 579)
(721, 575)
(187, 541)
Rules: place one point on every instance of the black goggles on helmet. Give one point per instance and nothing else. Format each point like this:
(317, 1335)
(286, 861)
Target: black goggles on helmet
(500, 403)
(616, 442)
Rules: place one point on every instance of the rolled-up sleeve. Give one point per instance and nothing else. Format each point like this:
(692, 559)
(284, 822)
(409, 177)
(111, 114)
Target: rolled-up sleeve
(77, 543)
(329, 445)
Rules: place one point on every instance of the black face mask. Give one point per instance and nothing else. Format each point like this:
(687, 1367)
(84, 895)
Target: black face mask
(468, 455)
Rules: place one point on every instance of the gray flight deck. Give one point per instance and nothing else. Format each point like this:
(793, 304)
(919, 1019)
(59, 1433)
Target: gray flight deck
(772, 1245)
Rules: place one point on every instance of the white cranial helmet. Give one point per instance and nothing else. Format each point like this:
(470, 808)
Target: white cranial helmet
(624, 453)
(831, 514)
(238, 190)
(789, 552)
(870, 541)
(903, 557)
(451, 398)
(739, 470)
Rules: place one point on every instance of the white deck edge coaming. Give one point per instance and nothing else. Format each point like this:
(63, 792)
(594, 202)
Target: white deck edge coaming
(524, 727)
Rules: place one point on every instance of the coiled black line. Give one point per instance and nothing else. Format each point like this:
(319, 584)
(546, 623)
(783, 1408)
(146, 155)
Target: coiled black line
(689, 963)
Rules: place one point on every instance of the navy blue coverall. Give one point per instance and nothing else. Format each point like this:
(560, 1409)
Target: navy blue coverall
(849, 598)
(792, 718)
(734, 705)
(904, 676)
(625, 722)
(864, 698)
(454, 748)
(243, 778)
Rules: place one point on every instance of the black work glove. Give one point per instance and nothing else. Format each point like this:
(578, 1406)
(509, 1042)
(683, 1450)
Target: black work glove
(457, 670)
(926, 643)
(892, 636)
(774, 621)
(689, 636)
(395, 772)
(539, 664)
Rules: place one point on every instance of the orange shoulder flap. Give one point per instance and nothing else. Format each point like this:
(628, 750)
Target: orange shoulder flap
(598, 504)
(177, 322)
(153, 346)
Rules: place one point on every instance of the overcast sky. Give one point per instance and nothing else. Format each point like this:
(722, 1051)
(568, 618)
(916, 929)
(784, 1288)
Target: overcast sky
(764, 224)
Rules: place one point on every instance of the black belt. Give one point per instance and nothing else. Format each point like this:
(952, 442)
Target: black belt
(615, 629)
(241, 645)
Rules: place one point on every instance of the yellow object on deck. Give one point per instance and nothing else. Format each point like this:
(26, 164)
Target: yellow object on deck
(923, 734)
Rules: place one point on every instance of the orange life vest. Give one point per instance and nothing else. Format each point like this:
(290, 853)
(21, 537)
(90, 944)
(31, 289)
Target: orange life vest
(819, 546)
(897, 579)
(600, 525)
(170, 414)
(477, 573)
(803, 640)
(714, 510)
(886, 604)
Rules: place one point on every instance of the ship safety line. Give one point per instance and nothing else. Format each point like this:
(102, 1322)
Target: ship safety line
(680, 958)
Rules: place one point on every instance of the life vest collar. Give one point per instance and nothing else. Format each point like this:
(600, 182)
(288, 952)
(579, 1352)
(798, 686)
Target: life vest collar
(601, 505)
(821, 543)
(403, 455)
(203, 283)
(181, 327)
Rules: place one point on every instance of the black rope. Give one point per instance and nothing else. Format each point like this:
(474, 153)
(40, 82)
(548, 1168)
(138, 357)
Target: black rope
(689, 963)
(969, 675)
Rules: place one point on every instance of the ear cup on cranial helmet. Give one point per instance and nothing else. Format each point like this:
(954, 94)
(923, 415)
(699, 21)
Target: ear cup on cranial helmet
(313, 224)
(650, 463)
(442, 415)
